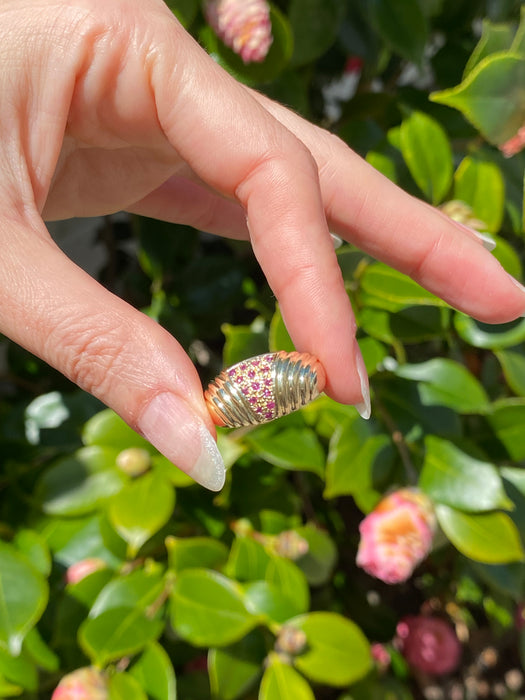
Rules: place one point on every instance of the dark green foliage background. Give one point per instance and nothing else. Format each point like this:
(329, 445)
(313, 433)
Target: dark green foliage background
(199, 589)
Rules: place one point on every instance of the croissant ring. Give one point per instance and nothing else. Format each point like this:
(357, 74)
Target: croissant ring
(263, 388)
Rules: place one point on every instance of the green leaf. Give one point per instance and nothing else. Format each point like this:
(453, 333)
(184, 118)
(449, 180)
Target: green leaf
(254, 73)
(490, 538)
(244, 341)
(507, 420)
(480, 184)
(208, 609)
(383, 163)
(195, 552)
(456, 479)
(492, 337)
(23, 598)
(34, 547)
(508, 257)
(282, 682)
(40, 652)
(141, 509)
(279, 338)
(337, 652)
(491, 97)
(390, 289)
(233, 670)
(184, 10)
(444, 382)
(161, 465)
(287, 578)
(373, 354)
(494, 38)
(513, 366)
(9, 690)
(138, 590)
(79, 483)
(292, 448)
(315, 25)
(155, 673)
(248, 560)
(122, 686)
(269, 603)
(107, 429)
(19, 669)
(401, 25)
(116, 633)
(428, 155)
(355, 453)
(46, 411)
(413, 324)
(319, 561)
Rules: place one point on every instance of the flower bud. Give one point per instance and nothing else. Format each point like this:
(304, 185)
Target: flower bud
(83, 684)
(291, 641)
(134, 461)
(80, 569)
(428, 644)
(514, 145)
(243, 25)
(381, 656)
(396, 536)
(291, 545)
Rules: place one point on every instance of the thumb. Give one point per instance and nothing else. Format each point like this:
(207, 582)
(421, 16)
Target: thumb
(111, 350)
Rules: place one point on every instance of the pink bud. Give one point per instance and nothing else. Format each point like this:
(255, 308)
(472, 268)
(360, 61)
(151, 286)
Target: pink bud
(514, 145)
(396, 536)
(381, 656)
(429, 644)
(80, 569)
(243, 25)
(83, 684)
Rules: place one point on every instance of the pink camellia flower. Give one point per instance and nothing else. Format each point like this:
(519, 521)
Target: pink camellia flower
(396, 536)
(83, 684)
(514, 145)
(428, 644)
(243, 25)
(80, 569)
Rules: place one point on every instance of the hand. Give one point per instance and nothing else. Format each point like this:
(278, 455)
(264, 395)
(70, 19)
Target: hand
(110, 105)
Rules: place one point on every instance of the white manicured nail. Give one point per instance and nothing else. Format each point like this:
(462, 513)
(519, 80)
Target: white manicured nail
(182, 436)
(364, 408)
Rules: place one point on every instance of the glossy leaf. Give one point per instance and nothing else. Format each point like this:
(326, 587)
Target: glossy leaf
(480, 184)
(279, 338)
(453, 477)
(314, 24)
(79, 483)
(428, 155)
(490, 538)
(248, 560)
(234, 669)
(19, 669)
(444, 382)
(282, 682)
(494, 38)
(319, 561)
(491, 96)
(286, 577)
(513, 365)
(507, 420)
(268, 602)
(388, 288)
(122, 686)
(208, 609)
(116, 633)
(195, 552)
(33, 546)
(141, 509)
(107, 429)
(401, 25)
(154, 672)
(139, 589)
(24, 595)
(493, 337)
(337, 652)
(290, 448)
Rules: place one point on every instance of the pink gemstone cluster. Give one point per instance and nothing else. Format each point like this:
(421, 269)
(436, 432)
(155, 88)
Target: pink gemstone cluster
(255, 380)
(243, 25)
(397, 535)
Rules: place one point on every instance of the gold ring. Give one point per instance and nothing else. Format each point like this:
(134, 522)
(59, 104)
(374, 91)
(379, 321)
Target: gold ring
(263, 388)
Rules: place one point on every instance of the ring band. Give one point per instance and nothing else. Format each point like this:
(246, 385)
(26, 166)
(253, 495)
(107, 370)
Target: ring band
(263, 388)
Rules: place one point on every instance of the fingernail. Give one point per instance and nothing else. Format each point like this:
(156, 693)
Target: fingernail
(182, 436)
(336, 240)
(518, 284)
(486, 241)
(364, 408)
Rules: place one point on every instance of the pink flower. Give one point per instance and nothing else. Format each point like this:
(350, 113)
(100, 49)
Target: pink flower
(381, 656)
(396, 536)
(243, 25)
(83, 684)
(514, 145)
(80, 569)
(428, 644)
